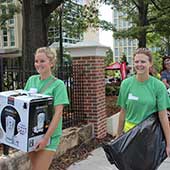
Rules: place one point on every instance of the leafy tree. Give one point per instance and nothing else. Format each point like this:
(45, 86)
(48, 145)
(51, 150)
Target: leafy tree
(162, 24)
(157, 61)
(109, 57)
(146, 16)
(35, 19)
(75, 19)
(123, 59)
(138, 14)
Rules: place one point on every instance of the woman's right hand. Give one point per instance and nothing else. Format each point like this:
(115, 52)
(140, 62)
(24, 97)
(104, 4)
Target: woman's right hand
(41, 144)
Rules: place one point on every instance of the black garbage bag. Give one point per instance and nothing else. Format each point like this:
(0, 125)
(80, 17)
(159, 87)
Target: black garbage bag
(141, 148)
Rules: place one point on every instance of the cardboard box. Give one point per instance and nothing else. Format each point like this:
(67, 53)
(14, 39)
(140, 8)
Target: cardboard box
(24, 118)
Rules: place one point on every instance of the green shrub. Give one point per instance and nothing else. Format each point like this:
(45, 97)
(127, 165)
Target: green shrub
(112, 89)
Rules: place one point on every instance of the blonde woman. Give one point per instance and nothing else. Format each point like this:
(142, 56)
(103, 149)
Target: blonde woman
(44, 62)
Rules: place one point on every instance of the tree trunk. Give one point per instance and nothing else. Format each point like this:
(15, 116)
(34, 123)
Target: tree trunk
(168, 49)
(142, 40)
(143, 22)
(35, 16)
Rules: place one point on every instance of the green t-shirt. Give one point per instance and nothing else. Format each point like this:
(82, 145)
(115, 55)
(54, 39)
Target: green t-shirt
(57, 90)
(141, 99)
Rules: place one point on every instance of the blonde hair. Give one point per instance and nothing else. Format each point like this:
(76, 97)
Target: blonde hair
(50, 53)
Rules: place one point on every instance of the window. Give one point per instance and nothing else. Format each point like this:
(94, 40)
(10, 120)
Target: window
(124, 24)
(8, 36)
(124, 42)
(129, 60)
(129, 51)
(115, 13)
(129, 42)
(117, 59)
(12, 37)
(67, 37)
(116, 42)
(121, 42)
(134, 42)
(11, 21)
(115, 23)
(134, 49)
(3, 10)
(8, 33)
(120, 23)
(5, 38)
(125, 50)
(116, 52)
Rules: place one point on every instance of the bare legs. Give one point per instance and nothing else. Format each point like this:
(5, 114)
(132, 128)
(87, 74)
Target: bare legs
(41, 160)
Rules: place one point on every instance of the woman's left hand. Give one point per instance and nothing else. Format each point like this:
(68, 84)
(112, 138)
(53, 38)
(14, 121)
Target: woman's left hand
(166, 129)
(168, 150)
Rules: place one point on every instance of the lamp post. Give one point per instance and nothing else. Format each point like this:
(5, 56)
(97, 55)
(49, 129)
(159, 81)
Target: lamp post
(61, 34)
(5, 147)
(61, 41)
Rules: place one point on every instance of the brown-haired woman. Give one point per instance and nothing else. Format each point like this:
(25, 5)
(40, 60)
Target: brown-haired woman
(165, 74)
(141, 95)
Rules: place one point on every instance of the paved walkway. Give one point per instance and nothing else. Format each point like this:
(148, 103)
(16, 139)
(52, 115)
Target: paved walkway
(98, 161)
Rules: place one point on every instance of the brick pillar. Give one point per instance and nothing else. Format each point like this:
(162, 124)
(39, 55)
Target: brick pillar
(91, 57)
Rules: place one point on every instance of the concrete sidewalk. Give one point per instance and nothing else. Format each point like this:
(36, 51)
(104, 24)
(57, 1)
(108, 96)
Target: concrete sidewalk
(98, 161)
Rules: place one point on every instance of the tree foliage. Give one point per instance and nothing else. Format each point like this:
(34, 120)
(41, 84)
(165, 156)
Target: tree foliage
(161, 25)
(8, 11)
(36, 18)
(146, 16)
(36, 14)
(109, 57)
(75, 18)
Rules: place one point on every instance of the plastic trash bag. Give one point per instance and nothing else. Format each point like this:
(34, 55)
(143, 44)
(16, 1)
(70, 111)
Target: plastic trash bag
(141, 148)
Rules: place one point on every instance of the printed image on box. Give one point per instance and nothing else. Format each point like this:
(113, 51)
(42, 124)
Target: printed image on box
(24, 118)
(9, 120)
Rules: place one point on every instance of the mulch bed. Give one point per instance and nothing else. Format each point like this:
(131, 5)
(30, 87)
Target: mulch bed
(111, 106)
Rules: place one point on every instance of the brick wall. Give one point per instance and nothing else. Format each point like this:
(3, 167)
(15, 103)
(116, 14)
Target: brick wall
(93, 91)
